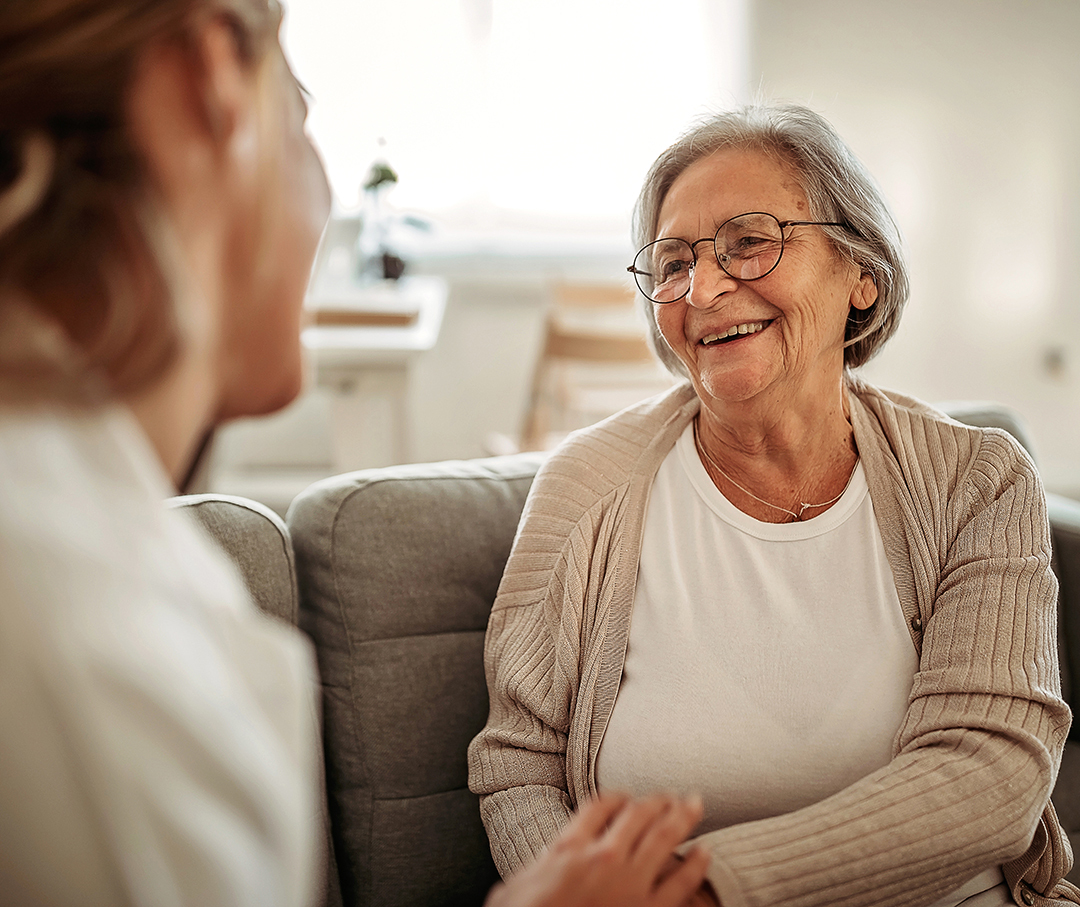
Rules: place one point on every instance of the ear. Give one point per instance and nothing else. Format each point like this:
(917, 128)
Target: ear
(865, 292)
(229, 89)
(191, 106)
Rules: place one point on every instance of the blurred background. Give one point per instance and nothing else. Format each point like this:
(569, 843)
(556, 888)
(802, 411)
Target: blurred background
(519, 134)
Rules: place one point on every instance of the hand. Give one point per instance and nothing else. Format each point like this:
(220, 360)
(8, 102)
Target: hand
(705, 896)
(615, 853)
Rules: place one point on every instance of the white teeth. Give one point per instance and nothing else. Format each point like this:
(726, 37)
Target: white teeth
(751, 327)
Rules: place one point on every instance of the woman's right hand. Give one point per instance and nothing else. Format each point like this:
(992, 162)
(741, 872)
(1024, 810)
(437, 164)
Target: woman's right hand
(614, 853)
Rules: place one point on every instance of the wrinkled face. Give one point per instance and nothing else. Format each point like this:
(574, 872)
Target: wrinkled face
(775, 338)
(277, 237)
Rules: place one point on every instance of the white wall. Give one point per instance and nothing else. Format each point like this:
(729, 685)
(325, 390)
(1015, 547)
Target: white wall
(967, 112)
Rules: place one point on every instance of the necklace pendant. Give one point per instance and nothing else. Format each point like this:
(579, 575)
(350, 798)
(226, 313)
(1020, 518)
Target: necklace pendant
(803, 506)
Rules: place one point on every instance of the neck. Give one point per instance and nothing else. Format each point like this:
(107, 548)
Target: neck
(781, 427)
(770, 461)
(176, 413)
(180, 408)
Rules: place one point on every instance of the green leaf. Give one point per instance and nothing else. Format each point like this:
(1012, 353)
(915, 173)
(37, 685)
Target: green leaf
(380, 174)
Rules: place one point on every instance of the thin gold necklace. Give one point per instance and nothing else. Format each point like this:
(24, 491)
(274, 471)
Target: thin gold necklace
(803, 506)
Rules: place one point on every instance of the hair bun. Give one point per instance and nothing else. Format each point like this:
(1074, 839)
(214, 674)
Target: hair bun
(26, 171)
(9, 158)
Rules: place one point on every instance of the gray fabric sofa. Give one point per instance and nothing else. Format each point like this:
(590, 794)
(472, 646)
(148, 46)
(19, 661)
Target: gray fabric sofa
(392, 573)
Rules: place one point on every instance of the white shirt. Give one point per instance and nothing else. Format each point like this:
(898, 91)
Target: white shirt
(769, 665)
(156, 732)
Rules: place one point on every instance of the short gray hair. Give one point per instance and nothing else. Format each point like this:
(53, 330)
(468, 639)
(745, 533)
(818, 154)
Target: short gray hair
(838, 188)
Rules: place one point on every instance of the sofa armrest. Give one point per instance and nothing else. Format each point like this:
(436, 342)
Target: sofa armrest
(257, 541)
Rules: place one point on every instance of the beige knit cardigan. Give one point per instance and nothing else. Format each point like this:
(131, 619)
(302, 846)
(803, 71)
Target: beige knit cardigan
(963, 520)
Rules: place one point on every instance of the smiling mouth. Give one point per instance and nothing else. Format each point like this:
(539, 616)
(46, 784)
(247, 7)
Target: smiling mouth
(735, 332)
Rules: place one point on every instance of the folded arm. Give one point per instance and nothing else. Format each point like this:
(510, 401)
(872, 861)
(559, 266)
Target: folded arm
(980, 745)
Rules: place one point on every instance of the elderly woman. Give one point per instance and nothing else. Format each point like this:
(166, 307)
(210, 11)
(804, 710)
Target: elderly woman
(828, 609)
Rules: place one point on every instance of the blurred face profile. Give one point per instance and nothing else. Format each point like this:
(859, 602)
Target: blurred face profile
(263, 368)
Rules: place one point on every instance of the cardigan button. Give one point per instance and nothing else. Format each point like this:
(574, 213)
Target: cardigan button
(1027, 897)
(916, 624)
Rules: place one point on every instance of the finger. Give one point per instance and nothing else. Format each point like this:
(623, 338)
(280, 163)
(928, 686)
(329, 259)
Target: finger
(684, 881)
(633, 821)
(668, 831)
(595, 816)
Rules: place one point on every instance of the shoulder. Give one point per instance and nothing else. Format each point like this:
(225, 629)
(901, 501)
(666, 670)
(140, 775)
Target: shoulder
(630, 444)
(911, 425)
(120, 626)
(68, 486)
(592, 485)
(928, 450)
(87, 539)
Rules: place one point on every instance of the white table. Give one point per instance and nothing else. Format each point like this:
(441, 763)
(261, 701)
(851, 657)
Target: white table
(366, 364)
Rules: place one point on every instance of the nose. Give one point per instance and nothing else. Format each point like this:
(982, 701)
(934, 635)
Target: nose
(708, 282)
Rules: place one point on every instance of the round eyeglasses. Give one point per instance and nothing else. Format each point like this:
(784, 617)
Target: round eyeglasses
(747, 247)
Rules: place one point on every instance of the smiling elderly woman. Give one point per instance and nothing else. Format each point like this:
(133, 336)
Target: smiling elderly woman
(826, 608)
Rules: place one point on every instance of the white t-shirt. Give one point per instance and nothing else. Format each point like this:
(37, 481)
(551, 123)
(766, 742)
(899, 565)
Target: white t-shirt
(157, 742)
(768, 665)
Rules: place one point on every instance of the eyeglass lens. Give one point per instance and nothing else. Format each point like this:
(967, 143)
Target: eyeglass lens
(747, 247)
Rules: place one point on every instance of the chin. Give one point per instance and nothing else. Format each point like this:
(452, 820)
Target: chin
(261, 400)
(732, 387)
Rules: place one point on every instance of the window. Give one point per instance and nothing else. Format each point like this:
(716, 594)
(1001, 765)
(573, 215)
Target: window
(553, 110)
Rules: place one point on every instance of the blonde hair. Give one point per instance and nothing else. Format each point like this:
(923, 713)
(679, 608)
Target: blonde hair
(82, 241)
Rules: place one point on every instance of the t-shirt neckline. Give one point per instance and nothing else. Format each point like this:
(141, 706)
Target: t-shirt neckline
(715, 500)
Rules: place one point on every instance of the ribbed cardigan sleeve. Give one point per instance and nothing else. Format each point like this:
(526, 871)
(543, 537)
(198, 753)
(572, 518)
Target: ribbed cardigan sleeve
(518, 761)
(978, 751)
(556, 638)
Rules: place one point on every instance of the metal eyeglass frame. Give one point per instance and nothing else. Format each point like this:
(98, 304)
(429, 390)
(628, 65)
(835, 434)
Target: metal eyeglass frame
(716, 254)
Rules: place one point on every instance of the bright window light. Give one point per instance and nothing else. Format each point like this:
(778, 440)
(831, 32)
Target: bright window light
(553, 109)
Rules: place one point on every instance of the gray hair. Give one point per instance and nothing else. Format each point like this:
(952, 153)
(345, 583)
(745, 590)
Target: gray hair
(838, 188)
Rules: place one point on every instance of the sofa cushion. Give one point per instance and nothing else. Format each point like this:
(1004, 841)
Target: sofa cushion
(398, 569)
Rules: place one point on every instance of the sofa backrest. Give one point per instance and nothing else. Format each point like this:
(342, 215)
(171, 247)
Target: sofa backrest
(1064, 516)
(398, 569)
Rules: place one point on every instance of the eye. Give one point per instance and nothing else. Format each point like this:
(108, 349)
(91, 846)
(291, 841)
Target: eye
(747, 245)
(669, 259)
(673, 267)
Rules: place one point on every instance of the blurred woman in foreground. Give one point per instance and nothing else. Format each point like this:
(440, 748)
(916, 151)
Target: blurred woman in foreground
(160, 207)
